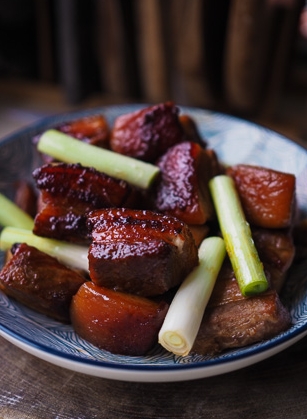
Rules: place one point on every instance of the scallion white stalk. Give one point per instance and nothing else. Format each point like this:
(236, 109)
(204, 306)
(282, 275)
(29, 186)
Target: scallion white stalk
(70, 150)
(12, 215)
(69, 254)
(184, 316)
(237, 235)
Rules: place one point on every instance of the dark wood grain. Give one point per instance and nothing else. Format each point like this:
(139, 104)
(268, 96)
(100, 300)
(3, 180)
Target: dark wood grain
(32, 388)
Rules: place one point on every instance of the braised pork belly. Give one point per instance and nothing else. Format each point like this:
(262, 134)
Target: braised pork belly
(140, 252)
(40, 282)
(241, 322)
(93, 129)
(182, 189)
(147, 133)
(69, 192)
(121, 323)
(267, 196)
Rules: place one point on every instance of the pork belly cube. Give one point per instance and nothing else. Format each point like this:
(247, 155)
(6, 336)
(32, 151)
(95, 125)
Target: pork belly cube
(117, 322)
(93, 129)
(147, 133)
(139, 251)
(69, 192)
(40, 282)
(182, 189)
(241, 322)
(267, 196)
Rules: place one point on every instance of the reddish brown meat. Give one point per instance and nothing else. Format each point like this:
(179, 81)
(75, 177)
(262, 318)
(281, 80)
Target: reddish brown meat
(226, 289)
(69, 192)
(182, 189)
(267, 196)
(191, 131)
(40, 282)
(241, 323)
(140, 252)
(26, 197)
(199, 232)
(118, 322)
(300, 239)
(147, 133)
(276, 251)
(92, 129)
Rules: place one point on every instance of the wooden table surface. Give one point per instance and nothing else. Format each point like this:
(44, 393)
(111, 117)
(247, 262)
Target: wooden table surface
(34, 389)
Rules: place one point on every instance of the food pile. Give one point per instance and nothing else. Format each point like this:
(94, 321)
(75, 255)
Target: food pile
(119, 230)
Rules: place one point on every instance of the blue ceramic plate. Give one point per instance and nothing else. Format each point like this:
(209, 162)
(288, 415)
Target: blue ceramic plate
(235, 141)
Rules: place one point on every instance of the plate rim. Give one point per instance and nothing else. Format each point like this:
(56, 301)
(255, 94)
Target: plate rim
(158, 373)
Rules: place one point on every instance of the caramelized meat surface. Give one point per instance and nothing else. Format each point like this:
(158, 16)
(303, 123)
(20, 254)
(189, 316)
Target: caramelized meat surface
(68, 193)
(267, 196)
(147, 133)
(40, 282)
(117, 322)
(139, 252)
(190, 129)
(182, 190)
(92, 129)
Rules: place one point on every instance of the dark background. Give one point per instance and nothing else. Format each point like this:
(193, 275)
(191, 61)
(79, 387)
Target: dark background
(246, 58)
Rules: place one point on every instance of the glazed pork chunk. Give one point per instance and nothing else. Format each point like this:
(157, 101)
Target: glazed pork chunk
(92, 129)
(69, 192)
(118, 322)
(139, 252)
(182, 189)
(147, 133)
(40, 282)
(267, 196)
(241, 322)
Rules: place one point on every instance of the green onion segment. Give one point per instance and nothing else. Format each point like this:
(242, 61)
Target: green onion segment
(237, 235)
(183, 319)
(69, 254)
(11, 214)
(70, 150)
